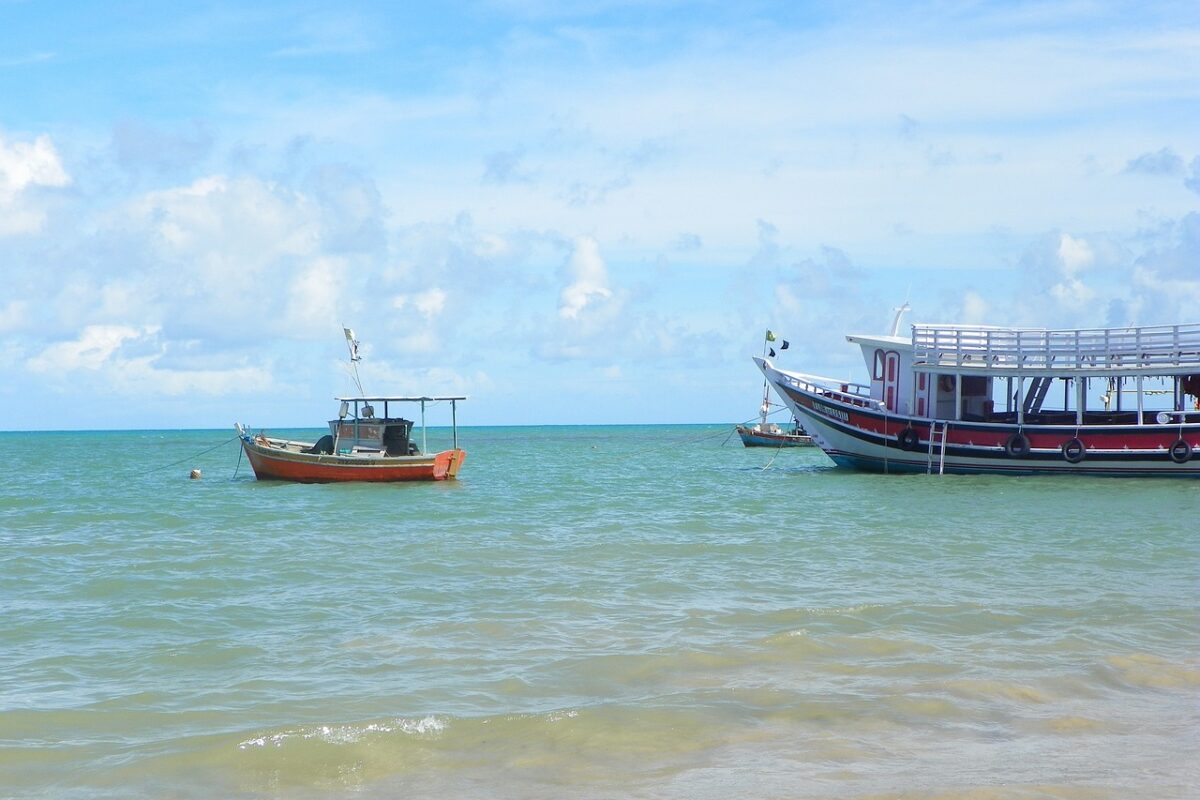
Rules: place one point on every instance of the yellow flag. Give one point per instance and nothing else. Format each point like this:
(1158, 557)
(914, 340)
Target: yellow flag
(770, 336)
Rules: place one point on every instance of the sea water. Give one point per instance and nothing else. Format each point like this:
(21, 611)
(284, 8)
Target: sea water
(589, 612)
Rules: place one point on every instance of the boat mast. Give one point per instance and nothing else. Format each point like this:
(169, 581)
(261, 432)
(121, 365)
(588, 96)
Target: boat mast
(765, 408)
(352, 345)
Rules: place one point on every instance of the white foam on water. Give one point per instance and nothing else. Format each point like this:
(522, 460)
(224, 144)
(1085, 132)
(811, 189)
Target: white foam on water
(349, 734)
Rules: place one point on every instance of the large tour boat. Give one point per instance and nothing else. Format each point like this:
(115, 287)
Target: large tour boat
(360, 445)
(975, 399)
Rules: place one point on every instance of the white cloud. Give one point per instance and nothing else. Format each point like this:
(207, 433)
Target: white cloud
(1172, 299)
(126, 360)
(14, 315)
(428, 304)
(1161, 162)
(25, 166)
(1075, 255)
(588, 277)
(1073, 294)
(975, 309)
(1192, 181)
(234, 226)
(92, 350)
(314, 294)
(240, 256)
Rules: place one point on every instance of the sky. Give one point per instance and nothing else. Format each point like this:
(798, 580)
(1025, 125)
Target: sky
(573, 213)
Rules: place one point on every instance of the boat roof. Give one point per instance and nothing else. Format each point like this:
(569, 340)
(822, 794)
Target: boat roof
(986, 350)
(404, 399)
(879, 340)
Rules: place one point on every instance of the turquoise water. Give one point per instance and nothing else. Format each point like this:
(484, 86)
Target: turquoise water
(594, 612)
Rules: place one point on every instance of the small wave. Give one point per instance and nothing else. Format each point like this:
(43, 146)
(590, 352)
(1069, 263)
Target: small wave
(998, 689)
(1148, 671)
(1076, 724)
(348, 733)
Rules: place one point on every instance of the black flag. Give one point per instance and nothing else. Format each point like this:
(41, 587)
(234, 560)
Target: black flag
(784, 345)
(772, 349)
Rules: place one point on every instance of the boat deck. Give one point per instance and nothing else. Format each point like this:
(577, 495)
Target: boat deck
(979, 350)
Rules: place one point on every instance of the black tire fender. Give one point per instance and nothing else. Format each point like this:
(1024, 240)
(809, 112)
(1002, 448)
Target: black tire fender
(1017, 445)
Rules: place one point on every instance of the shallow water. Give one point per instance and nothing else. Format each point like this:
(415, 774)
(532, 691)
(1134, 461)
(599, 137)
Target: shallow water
(589, 612)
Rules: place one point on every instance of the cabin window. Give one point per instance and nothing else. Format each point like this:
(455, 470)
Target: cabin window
(891, 369)
(879, 359)
(974, 385)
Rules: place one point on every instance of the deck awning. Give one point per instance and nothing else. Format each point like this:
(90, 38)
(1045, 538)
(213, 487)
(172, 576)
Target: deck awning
(413, 399)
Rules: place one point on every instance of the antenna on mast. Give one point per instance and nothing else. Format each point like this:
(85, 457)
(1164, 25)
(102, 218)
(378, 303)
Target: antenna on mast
(900, 312)
(352, 344)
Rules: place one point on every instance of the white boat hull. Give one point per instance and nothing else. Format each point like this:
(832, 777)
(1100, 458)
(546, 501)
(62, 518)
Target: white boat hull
(858, 433)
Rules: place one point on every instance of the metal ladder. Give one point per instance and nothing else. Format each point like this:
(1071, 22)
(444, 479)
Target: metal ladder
(935, 440)
(1037, 394)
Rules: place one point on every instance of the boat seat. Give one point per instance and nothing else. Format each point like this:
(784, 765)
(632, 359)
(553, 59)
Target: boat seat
(323, 446)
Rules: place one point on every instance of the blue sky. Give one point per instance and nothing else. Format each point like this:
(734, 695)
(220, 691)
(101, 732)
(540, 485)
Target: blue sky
(572, 212)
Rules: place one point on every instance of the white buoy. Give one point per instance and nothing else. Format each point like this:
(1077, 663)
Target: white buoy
(195, 475)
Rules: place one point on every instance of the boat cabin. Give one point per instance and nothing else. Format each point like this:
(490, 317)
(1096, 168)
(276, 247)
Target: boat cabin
(368, 425)
(1036, 376)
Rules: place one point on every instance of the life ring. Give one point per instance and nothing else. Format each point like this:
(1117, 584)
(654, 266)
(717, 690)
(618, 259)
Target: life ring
(1181, 451)
(908, 439)
(1017, 445)
(1073, 450)
(946, 383)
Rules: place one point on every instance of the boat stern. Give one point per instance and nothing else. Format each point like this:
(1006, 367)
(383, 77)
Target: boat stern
(447, 463)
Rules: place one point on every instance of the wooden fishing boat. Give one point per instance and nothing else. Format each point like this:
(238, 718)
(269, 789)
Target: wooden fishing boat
(974, 399)
(360, 445)
(769, 434)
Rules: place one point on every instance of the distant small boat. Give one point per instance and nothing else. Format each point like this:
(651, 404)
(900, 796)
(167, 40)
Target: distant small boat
(769, 434)
(360, 445)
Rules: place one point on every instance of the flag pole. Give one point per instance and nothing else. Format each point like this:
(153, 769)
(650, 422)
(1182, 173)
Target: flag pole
(766, 401)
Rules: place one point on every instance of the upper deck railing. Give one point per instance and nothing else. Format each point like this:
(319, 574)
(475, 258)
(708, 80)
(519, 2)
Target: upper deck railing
(1169, 349)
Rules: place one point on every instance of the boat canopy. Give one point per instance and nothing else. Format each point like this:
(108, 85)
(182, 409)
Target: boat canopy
(413, 399)
(359, 426)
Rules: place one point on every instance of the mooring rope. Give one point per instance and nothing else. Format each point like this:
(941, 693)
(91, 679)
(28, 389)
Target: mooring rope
(239, 464)
(195, 455)
(772, 461)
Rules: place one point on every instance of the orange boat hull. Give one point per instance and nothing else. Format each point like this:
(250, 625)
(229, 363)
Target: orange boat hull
(270, 463)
